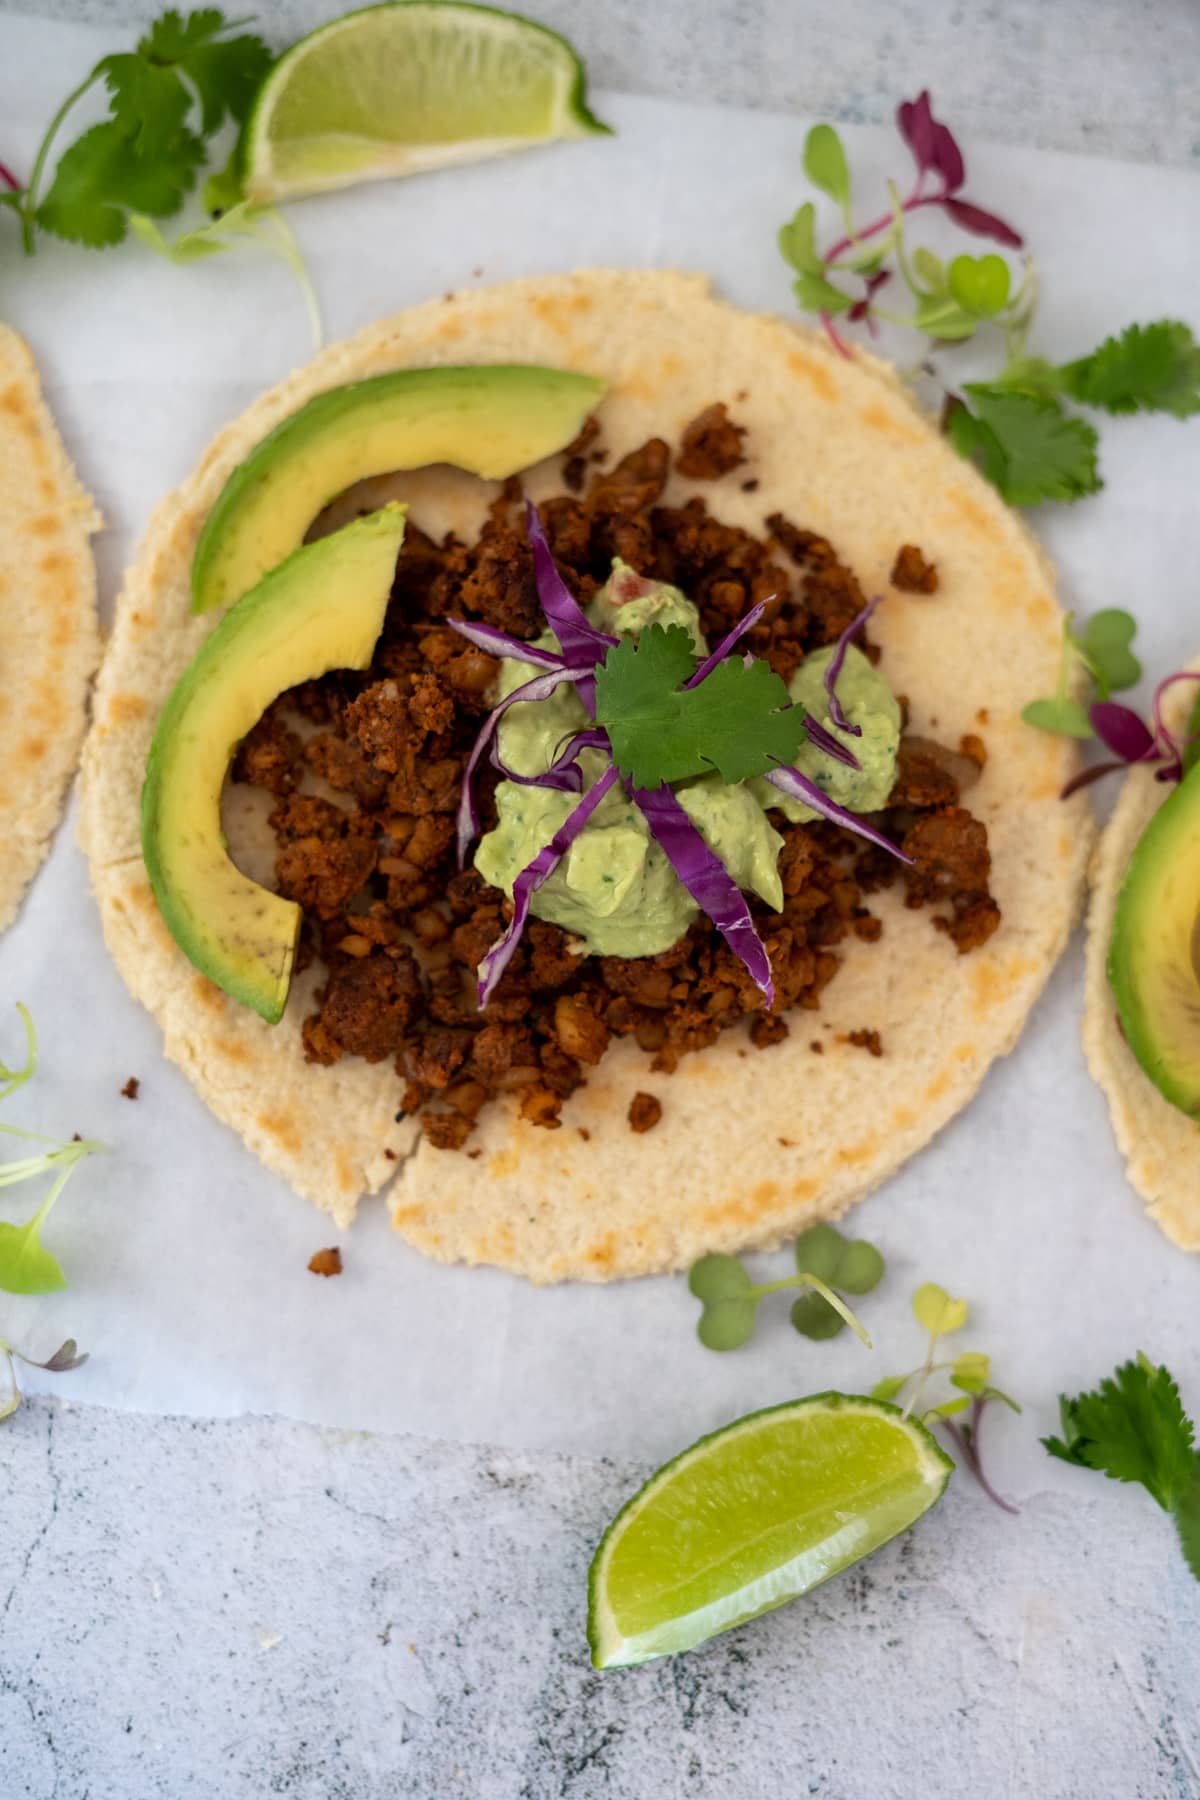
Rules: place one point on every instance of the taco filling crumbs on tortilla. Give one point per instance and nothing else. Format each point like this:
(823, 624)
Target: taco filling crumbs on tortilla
(402, 931)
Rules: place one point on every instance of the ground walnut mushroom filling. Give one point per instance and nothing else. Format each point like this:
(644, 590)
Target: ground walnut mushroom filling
(401, 931)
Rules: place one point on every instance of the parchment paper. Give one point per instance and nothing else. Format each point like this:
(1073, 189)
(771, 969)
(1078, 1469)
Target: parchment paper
(187, 1261)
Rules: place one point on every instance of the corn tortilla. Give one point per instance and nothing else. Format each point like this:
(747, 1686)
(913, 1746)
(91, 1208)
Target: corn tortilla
(1160, 1144)
(752, 1145)
(49, 635)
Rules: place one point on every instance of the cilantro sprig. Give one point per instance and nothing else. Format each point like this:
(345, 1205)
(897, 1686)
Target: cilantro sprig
(1016, 427)
(166, 99)
(1133, 1427)
(940, 1314)
(826, 1262)
(739, 720)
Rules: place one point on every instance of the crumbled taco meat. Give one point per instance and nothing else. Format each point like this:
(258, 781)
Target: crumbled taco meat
(911, 573)
(326, 1262)
(645, 1110)
(131, 1088)
(710, 446)
(399, 931)
(867, 1040)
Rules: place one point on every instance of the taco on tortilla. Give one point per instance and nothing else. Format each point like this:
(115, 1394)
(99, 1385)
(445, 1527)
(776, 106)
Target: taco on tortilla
(49, 635)
(662, 1066)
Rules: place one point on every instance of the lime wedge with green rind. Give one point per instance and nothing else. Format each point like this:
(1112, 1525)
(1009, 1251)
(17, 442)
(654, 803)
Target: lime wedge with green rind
(754, 1515)
(408, 86)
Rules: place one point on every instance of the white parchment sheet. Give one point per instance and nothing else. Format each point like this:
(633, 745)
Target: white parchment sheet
(187, 1261)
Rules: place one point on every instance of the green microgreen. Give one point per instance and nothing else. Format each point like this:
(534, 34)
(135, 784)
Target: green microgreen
(1015, 427)
(939, 1315)
(825, 1262)
(65, 1358)
(1133, 1427)
(1101, 652)
(26, 1266)
(739, 721)
(243, 223)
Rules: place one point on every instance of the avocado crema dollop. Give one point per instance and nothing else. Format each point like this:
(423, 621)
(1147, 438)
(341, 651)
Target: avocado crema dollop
(614, 889)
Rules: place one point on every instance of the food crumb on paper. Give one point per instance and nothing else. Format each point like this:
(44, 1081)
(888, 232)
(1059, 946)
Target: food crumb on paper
(131, 1088)
(327, 1262)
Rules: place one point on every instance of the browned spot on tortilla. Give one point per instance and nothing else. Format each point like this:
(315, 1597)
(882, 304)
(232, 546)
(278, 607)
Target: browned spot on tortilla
(450, 330)
(142, 896)
(602, 1253)
(805, 1188)
(672, 366)
(902, 1118)
(884, 421)
(55, 563)
(991, 981)
(345, 1174)
(407, 1215)
(12, 401)
(860, 1152)
(45, 525)
(937, 1087)
(32, 750)
(126, 709)
(550, 312)
(811, 371)
(281, 1128)
(232, 1050)
(62, 631)
(765, 1192)
(1041, 610)
(964, 1052)
(505, 1162)
(47, 489)
(207, 993)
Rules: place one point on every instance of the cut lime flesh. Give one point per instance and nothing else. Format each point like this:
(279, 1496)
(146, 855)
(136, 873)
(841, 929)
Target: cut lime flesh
(407, 86)
(753, 1516)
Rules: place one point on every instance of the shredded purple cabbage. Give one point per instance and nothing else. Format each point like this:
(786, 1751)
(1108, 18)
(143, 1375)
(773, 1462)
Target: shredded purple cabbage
(581, 641)
(728, 642)
(564, 775)
(530, 880)
(499, 643)
(826, 742)
(835, 668)
(799, 787)
(707, 880)
(540, 688)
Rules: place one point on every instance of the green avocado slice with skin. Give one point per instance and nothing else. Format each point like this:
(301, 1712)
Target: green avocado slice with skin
(491, 419)
(321, 609)
(1152, 959)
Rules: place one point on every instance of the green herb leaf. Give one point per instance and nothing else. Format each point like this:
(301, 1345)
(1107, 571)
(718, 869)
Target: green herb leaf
(936, 1311)
(739, 721)
(980, 284)
(1104, 647)
(889, 1387)
(797, 241)
(25, 1266)
(861, 1269)
(815, 294)
(825, 163)
(940, 316)
(1067, 717)
(101, 177)
(1132, 1428)
(1187, 1521)
(726, 1324)
(148, 102)
(1148, 368)
(931, 270)
(947, 1409)
(971, 1371)
(1028, 448)
(717, 1277)
(819, 1251)
(813, 1317)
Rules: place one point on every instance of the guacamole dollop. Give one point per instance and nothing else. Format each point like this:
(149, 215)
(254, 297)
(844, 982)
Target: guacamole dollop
(614, 889)
(868, 702)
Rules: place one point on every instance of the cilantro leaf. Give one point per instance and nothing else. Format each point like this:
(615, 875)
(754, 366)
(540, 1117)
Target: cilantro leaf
(1148, 368)
(227, 76)
(1187, 1521)
(1131, 1428)
(148, 103)
(1028, 448)
(101, 176)
(739, 720)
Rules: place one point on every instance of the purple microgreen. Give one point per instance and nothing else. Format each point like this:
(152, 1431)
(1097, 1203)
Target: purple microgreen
(856, 625)
(1086, 777)
(500, 643)
(798, 787)
(707, 880)
(935, 150)
(580, 640)
(1163, 734)
(965, 1438)
(728, 642)
(531, 879)
(1121, 730)
(862, 308)
(981, 223)
(540, 688)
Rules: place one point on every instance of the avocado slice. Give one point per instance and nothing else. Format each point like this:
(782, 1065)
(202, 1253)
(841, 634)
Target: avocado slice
(1152, 959)
(321, 609)
(491, 420)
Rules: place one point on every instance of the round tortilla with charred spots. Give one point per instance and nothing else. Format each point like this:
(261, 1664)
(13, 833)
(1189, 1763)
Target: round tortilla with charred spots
(49, 632)
(1160, 1144)
(752, 1145)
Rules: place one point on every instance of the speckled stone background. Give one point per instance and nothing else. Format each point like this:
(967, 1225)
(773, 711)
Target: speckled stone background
(234, 1610)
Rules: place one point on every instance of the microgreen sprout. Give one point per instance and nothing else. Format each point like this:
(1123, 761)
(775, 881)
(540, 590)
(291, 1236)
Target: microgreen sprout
(825, 1262)
(939, 1314)
(1014, 427)
(26, 1266)
(65, 1358)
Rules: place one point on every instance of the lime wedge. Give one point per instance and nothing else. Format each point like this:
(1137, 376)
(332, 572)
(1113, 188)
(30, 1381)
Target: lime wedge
(753, 1515)
(411, 85)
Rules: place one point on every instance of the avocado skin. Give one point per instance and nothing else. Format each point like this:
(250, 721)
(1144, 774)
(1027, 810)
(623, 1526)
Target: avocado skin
(321, 609)
(1151, 967)
(492, 419)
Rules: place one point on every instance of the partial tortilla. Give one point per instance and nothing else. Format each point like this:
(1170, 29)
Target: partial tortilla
(753, 1145)
(49, 634)
(1160, 1144)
